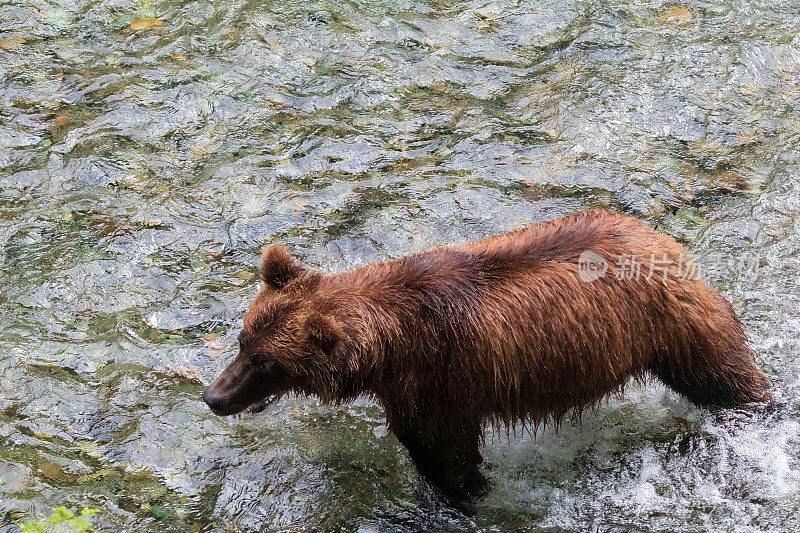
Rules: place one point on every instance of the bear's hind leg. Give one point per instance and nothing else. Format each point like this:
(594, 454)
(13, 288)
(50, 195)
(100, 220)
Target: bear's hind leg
(708, 379)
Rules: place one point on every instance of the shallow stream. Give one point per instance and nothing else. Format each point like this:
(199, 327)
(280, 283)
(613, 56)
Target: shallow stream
(149, 150)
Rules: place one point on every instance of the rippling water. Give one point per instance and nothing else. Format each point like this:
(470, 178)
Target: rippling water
(149, 149)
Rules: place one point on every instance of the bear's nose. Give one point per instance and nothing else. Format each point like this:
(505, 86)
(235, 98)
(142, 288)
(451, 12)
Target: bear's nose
(212, 400)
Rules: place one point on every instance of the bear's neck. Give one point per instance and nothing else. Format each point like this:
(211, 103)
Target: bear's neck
(388, 310)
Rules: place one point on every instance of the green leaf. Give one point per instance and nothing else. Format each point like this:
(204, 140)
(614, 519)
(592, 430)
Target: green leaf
(32, 527)
(60, 514)
(64, 518)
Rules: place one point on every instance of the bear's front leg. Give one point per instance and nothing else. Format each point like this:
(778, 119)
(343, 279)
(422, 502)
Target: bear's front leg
(446, 452)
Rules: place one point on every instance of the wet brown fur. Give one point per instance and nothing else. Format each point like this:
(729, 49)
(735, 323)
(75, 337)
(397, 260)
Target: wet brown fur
(499, 330)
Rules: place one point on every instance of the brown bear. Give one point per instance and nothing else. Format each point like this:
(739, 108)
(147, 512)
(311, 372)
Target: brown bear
(520, 327)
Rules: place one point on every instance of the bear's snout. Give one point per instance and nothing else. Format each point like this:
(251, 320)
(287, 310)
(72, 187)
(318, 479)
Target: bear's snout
(214, 402)
(241, 385)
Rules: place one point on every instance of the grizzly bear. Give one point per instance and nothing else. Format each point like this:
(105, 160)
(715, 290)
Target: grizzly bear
(519, 327)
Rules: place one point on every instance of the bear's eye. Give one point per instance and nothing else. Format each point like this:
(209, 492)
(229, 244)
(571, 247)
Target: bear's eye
(266, 364)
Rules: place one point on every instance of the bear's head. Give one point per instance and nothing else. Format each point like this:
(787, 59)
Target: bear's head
(288, 342)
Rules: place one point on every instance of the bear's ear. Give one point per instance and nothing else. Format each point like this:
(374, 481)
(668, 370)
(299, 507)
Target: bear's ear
(323, 332)
(278, 267)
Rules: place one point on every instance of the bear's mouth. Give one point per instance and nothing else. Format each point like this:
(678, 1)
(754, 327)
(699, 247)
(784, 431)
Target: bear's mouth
(257, 407)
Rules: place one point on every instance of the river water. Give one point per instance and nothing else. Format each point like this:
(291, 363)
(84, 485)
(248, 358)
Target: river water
(150, 149)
